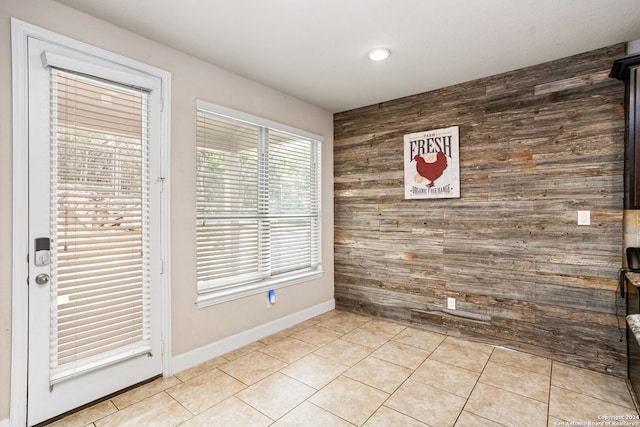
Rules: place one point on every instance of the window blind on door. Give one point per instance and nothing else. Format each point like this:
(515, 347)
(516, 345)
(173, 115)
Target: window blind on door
(257, 203)
(99, 224)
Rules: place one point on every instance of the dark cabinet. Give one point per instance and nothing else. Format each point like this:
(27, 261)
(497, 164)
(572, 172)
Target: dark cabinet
(627, 70)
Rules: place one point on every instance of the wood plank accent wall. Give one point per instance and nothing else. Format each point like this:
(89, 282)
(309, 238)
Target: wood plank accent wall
(536, 145)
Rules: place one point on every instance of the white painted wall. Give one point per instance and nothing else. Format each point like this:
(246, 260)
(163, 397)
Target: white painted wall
(192, 328)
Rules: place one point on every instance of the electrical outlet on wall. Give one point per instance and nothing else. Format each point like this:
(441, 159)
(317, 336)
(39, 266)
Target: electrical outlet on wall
(451, 303)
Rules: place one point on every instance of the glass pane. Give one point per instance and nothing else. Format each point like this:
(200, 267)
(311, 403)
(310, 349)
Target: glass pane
(291, 175)
(227, 167)
(99, 226)
(227, 248)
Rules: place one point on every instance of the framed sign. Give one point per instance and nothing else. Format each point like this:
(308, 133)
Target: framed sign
(432, 164)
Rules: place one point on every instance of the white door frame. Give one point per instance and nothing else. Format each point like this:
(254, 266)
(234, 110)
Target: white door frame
(20, 32)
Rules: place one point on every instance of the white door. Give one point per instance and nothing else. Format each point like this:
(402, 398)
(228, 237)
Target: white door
(94, 229)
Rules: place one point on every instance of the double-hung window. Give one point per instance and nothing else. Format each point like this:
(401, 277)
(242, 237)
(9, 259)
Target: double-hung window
(257, 204)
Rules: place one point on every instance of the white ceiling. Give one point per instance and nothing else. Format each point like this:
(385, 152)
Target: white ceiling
(316, 50)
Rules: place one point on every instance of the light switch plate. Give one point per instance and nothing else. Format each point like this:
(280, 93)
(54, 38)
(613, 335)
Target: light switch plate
(451, 303)
(584, 217)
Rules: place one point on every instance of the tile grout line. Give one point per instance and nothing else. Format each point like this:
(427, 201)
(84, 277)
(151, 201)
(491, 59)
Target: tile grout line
(397, 388)
(515, 392)
(550, 385)
(185, 408)
(289, 364)
(473, 389)
(403, 383)
(370, 354)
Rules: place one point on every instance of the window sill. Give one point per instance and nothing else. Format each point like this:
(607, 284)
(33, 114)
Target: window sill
(219, 296)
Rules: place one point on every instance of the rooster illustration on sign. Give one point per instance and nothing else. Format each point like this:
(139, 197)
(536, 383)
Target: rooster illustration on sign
(430, 170)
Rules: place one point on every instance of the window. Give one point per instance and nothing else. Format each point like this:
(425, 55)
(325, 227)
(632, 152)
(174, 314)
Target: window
(257, 205)
(100, 218)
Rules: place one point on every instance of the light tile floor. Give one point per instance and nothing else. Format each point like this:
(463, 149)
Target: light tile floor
(344, 369)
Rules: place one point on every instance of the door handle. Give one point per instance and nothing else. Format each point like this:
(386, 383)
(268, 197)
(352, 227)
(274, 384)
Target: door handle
(42, 279)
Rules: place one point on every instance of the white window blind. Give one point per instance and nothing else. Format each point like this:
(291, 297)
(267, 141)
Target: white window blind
(100, 211)
(257, 205)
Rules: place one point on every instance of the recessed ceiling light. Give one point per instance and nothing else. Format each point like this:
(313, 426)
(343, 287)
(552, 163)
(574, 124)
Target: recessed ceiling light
(379, 54)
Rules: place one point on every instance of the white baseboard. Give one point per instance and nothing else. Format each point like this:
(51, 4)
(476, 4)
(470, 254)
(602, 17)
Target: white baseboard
(5, 423)
(218, 348)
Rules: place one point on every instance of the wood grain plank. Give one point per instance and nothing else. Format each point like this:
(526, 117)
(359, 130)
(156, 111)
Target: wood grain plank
(536, 145)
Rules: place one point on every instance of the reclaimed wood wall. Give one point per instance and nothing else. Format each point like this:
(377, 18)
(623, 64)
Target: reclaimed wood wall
(536, 145)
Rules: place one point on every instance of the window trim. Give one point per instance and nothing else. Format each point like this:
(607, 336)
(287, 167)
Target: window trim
(209, 297)
(255, 120)
(219, 296)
